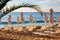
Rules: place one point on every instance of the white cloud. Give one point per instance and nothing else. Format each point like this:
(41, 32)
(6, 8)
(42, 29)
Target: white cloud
(25, 9)
(46, 8)
(49, 1)
(44, 4)
(45, 1)
(58, 0)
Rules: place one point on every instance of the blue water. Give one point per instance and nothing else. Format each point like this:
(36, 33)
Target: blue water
(39, 17)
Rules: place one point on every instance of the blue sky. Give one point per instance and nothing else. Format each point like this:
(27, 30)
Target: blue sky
(45, 5)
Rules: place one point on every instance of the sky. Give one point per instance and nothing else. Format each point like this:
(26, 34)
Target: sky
(45, 5)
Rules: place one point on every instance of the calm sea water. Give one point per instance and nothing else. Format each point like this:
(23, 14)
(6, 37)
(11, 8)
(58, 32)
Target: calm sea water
(39, 18)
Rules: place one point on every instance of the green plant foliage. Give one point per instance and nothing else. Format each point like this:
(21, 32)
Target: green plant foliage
(23, 5)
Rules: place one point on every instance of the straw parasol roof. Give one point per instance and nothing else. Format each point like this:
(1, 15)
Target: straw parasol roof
(34, 19)
(45, 17)
(22, 17)
(17, 20)
(9, 19)
(51, 15)
(0, 19)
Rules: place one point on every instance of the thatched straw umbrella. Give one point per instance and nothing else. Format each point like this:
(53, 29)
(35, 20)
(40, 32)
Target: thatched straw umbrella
(9, 20)
(30, 18)
(34, 19)
(10, 23)
(22, 18)
(51, 16)
(17, 20)
(45, 18)
(0, 19)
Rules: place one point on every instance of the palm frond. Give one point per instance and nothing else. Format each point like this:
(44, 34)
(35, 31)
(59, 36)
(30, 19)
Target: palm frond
(23, 5)
(3, 3)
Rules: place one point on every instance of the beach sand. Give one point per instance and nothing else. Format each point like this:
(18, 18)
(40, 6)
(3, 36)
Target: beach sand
(31, 32)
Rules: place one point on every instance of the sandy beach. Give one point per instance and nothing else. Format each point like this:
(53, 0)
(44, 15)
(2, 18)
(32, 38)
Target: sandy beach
(31, 32)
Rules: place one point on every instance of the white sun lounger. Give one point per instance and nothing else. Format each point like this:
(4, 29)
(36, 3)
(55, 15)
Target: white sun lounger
(5, 28)
(19, 29)
(44, 27)
(58, 25)
(30, 28)
(15, 27)
(57, 31)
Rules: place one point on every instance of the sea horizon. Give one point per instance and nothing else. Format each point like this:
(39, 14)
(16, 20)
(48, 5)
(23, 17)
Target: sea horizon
(39, 18)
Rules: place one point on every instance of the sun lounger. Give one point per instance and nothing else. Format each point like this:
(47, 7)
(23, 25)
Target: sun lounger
(27, 27)
(35, 26)
(24, 29)
(31, 28)
(51, 25)
(58, 25)
(15, 28)
(44, 27)
(57, 31)
(5, 28)
(19, 29)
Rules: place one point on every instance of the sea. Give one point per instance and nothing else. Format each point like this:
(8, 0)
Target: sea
(37, 15)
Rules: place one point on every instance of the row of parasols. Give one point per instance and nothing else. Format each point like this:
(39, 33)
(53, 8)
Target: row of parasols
(33, 19)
